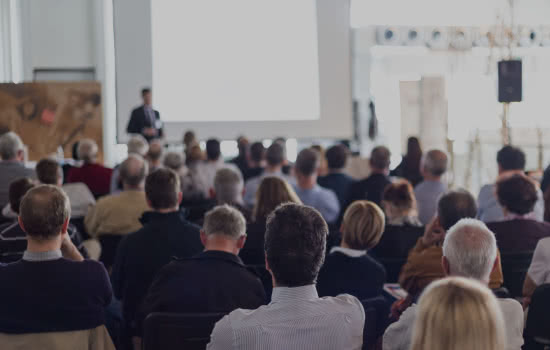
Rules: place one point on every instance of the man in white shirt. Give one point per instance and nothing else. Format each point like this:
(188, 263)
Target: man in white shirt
(214, 162)
(296, 318)
(469, 250)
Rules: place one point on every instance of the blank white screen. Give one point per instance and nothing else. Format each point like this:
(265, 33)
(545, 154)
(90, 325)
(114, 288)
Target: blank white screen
(235, 60)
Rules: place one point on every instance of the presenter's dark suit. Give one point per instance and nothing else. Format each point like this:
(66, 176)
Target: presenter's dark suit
(139, 120)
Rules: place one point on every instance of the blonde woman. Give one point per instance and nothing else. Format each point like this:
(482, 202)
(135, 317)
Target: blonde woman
(458, 314)
(273, 191)
(348, 268)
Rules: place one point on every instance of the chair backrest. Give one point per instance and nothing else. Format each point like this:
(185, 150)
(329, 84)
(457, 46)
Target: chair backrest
(538, 317)
(377, 312)
(514, 269)
(171, 331)
(109, 245)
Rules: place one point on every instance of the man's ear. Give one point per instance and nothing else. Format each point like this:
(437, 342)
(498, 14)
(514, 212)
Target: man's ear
(180, 197)
(446, 266)
(204, 239)
(241, 241)
(267, 265)
(21, 223)
(496, 264)
(149, 204)
(20, 155)
(212, 193)
(65, 226)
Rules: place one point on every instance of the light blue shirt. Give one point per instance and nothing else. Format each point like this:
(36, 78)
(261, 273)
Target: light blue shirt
(489, 210)
(322, 199)
(296, 318)
(427, 195)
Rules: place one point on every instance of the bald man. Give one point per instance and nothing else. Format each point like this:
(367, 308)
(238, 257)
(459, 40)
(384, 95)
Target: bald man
(432, 167)
(119, 214)
(154, 156)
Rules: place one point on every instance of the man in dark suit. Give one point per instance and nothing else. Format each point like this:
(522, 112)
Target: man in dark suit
(145, 120)
(372, 187)
(215, 280)
(336, 180)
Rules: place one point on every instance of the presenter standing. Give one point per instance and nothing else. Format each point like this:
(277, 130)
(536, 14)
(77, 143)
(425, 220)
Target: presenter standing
(145, 120)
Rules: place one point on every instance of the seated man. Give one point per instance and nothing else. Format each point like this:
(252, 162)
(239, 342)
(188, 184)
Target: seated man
(154, 155)
(469, 250)
(372, 187)
(137, 144)
(307, 189)
(221, 277)
(45, 292)
(119, 214)
(336, 179)
(49, 172)
(13, 240)
(165, 234)
(423, 264)
(94, 175)
(228, 189)
(256, 161)
(12, 164)
(433, 167)
(296, 318)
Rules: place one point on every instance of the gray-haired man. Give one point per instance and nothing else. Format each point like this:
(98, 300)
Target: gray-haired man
(12, 165)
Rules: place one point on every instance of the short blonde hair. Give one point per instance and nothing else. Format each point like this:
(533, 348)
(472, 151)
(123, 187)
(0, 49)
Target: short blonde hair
(363, 225)
(457, 313)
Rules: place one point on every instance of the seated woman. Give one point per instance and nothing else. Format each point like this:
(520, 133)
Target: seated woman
(348, 268)
(457, 314)
(273, 191)
(402, 228)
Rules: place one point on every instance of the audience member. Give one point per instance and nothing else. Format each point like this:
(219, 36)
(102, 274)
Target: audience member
(323, 165)
(511, 160)
(214, 162)
(336, 179)
(402, 229)
(192, 185)
(81, 199)
(228, 189)
(165, 234)
(469, 250)
(307, 189)
(44, 292)
(372, 187)
(137, 144)
(275, 157)
(189, 141)
(458, 314)
(12, 165)
(423, 265)
(273, 191)
(154, 155)
(94, 175)
(296, 317)
(241, 161)
(539, 271)
(409, 168)
(13, 240)
(434, 166)
(518, 231)
(118, 214)
(349, 268)
(224, 282)
(256, 161)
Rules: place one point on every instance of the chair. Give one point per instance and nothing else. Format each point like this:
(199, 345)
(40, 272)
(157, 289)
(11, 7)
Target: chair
(109, 246)
(537, 330)
(171, 331)
(393, 267)
(377, 312)
(514, 269)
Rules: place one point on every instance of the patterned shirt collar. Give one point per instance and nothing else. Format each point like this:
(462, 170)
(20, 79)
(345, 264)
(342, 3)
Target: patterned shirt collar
(284, 294)
(42, 256)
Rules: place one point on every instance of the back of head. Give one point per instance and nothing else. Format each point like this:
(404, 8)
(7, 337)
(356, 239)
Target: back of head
(517, 194)
(243, 145)
(43, 211)
(435, 162)
(337, 157)
(457, 314)
(257, 152)
(307, 162)
(137, 144)
(17, 191)
(155, 151)
(455, 205)
(400, 194)
(225, 221)
(189, 138)
(162, 187)
(414, 151)
(87, 150)
(213, 150)
(275, 154)
(48, 171)
(174, 160)
(295, 243)
(511, 158)
(380, 158)
(363, 225)
(228, 185)
(272, 192)
(133, 171)
(10, 145)
(470, 249)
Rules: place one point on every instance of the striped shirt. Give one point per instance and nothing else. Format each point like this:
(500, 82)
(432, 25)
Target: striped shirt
(296, 318)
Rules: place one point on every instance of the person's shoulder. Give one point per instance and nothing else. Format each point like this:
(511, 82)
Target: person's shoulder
(137, 109)
(344, 303)
(487, 189)
(511, 308)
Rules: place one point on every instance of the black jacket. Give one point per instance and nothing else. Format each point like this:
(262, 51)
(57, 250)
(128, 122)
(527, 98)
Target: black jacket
(370, 189)
(340, 183)
(212, 281)
(139, 121)
(142, 254)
